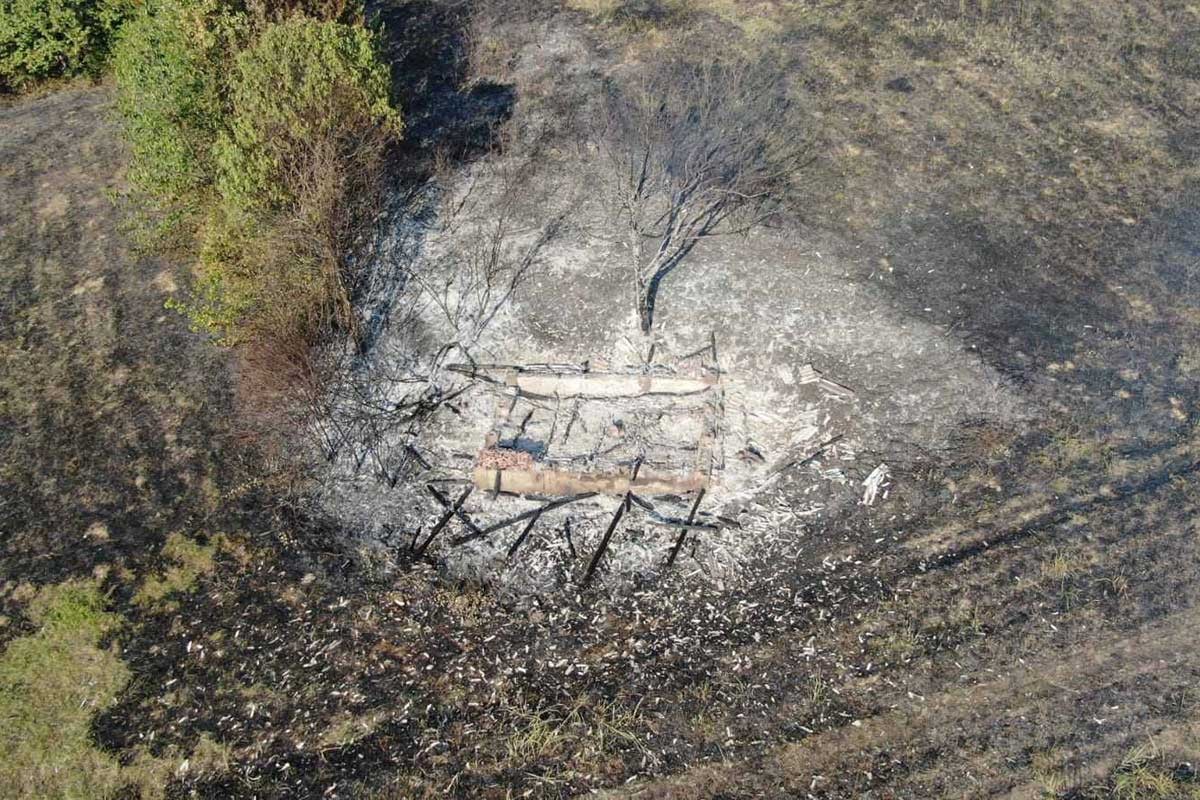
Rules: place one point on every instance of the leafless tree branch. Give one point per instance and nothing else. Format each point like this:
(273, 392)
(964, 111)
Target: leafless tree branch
(692, 150)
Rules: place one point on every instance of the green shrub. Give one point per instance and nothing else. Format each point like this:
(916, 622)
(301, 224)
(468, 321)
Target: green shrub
(56, 38)
(305, 91)
(171, 64)
(297, 167)
(267, 138)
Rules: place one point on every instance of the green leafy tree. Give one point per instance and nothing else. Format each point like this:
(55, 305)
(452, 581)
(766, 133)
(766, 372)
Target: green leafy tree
(56, 38)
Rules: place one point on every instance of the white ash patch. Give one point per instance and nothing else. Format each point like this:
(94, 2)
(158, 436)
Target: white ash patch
(823, 380)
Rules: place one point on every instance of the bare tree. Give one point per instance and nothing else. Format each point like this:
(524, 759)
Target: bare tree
(695, 150)
(494, 228)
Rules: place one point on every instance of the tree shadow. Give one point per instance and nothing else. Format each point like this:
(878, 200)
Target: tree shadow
(448, 119)
(446, 115)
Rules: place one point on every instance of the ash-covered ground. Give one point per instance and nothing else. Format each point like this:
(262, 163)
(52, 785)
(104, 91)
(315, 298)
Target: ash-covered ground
(770, 313)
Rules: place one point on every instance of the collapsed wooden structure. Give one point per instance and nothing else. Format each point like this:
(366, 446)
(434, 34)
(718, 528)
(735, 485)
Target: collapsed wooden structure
(562, 431)
(650, 436)
(563, 434)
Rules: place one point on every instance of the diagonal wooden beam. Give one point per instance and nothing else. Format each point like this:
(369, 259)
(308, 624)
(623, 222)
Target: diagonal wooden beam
(524, 515)
(637, 465)
(626, 504)
(683, 533)
(444, 502)
(524, 534)
(446, 517)
(612, 526)
(675, 522)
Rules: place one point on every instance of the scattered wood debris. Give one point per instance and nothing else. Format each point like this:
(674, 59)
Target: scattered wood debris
(873, 484)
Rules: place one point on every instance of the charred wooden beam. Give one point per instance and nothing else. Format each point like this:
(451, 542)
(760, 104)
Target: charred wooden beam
(595, 562)
(674, 522)
(637, 465)
(811, 457)
(612, 526)
(412, 451)
(524, 534)
(444, 502)
(524, 515)
(683, 533)
(446, 517)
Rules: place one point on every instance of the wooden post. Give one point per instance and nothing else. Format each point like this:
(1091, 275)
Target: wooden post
(683, 533)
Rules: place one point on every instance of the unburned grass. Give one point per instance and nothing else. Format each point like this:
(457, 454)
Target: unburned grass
(190, 560)
(51, 684)
(1145, 773)
(587, 737)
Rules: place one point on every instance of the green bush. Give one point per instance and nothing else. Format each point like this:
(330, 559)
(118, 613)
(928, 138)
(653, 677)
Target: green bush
(171, 64)
(56, 38)
(305, 91)
(297, 168)
(266, 136)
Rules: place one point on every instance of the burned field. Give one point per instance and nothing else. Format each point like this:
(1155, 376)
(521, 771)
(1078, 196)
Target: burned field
(902, 502)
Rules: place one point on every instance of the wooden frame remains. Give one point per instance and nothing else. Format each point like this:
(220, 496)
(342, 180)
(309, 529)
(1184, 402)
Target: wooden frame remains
(519, 460)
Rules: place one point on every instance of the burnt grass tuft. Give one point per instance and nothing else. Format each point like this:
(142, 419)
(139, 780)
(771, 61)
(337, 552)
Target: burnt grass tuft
(1019, 617)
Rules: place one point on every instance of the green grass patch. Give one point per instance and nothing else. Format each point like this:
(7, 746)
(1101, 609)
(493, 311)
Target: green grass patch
(191, 560)
(51, 684)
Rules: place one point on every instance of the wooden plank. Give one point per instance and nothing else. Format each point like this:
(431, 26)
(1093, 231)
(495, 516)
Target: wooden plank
(558, 483)
(601, 384)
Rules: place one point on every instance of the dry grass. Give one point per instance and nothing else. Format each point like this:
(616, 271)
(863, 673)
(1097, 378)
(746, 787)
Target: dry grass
(586, 737)
(1145, 773)
(347, 729)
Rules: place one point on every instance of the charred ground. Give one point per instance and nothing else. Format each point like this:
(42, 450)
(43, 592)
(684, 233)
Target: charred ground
(1018, 619)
